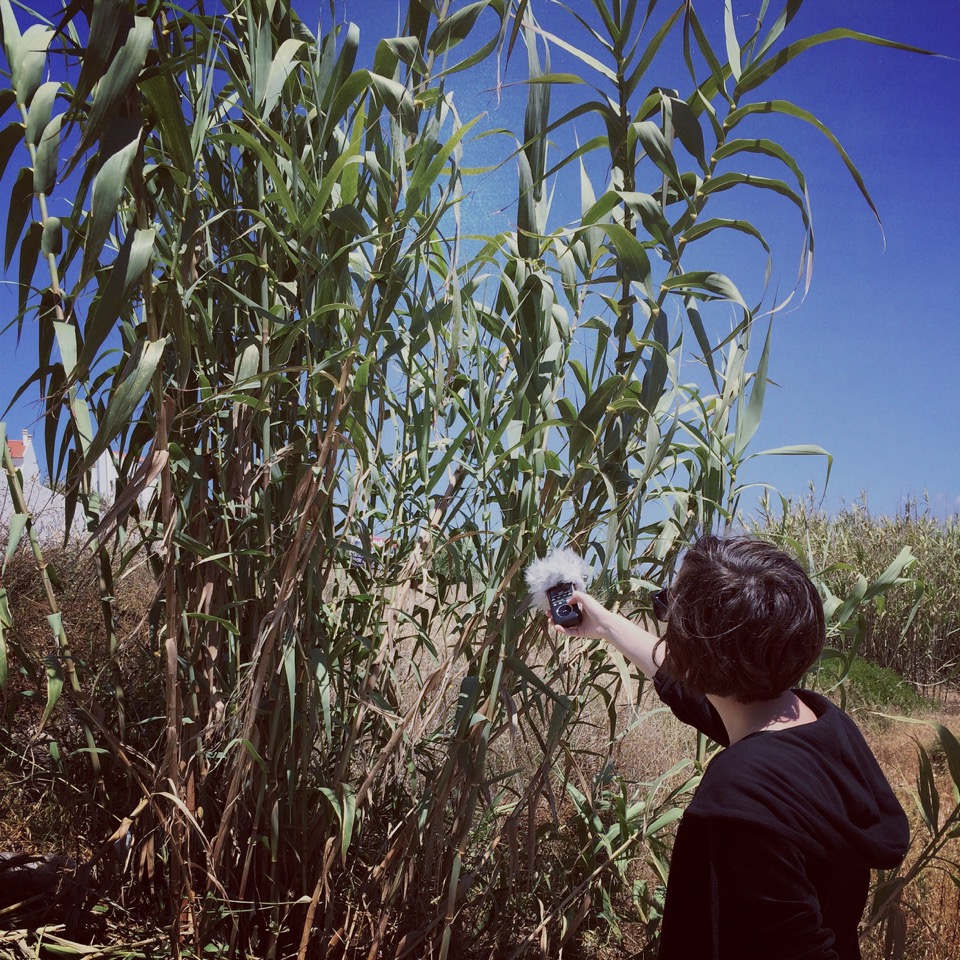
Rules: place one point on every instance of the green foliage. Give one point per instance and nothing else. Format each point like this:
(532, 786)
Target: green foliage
(931, 846)
(878, 688)
(912, 627)
(258, 290)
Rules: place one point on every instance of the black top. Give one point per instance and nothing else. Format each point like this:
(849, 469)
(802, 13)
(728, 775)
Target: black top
(773, 855)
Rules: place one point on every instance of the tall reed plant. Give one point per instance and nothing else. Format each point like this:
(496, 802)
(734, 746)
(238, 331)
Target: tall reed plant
(245, 252)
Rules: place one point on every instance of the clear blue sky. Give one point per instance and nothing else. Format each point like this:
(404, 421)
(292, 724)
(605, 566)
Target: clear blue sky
(866, 365)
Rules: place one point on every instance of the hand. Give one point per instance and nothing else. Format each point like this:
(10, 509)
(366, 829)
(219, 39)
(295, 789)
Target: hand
(635, 642)
(595, 621)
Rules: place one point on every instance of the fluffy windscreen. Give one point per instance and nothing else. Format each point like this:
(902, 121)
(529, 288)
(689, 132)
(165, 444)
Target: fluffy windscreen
(561, 566)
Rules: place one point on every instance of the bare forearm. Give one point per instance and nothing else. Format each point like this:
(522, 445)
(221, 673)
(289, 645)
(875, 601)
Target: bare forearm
(632, 640)
(638, 645)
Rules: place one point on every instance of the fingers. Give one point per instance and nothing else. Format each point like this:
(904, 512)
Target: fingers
(591, 611)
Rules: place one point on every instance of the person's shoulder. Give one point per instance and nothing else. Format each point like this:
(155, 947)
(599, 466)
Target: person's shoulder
(762, 768)
(817, 784)
(822, 706)
(834, 726)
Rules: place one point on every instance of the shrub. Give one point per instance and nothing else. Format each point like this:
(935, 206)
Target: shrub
(912, 628)
(878, 688)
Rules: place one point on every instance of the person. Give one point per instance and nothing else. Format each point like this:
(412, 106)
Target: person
(773, 854)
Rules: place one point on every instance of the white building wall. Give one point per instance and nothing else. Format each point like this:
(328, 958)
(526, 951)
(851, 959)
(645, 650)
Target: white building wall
(103, 479)
(47, 507)
(103, 476)
(27, 463)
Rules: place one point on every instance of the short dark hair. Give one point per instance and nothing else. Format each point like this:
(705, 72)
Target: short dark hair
(744, 620)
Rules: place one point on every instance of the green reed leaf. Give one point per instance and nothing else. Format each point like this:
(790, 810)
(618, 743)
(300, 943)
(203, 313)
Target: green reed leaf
(761, 70)
(456, 27)
(30, 59)
(15, 530)
(126, 396)
(54, 671)
(790, 10)
(48, 157)
(951, 750)
(792, 110)
(38, 115)
(10, 32)
(703, 284)
(21, 203)
(118, 81)
(632, 257)
(108, 186)
(581, 55)
(161, 93)
(108, 18)
(651, 50)
(122, 277)
(283, 66)
(52, 240)
(748, 417)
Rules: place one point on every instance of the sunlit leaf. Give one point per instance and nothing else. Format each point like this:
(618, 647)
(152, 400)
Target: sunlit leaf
(703, 284)
(792, 110)
(40, 109)
(456, 26)
(21, 203)
(48, 155)
(126, 397)
(161, 94)
(761, 70)
(584, 57)
(27, 66)
(108, 187)
(11, 31)
(633, 258)
(748, 417)
(730, 37)
(109, 17)
(124, 274)
(284, 63)
(119, 79)
(52, 240)
(15, 530)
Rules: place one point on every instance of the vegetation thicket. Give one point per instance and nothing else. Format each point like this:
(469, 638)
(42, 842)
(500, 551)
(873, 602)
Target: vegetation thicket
(912, 630)
(243, 249)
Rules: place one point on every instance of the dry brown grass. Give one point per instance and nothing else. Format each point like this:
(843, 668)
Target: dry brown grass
(931, 904)
(47, 801)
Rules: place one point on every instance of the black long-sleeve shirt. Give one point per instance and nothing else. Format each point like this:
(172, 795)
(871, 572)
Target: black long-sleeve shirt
(773, 855)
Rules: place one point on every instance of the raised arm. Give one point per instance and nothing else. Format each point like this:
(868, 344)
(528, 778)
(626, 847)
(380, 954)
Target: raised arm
(632, 640)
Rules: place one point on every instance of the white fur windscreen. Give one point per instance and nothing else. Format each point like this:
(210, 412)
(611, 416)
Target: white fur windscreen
(560, 566)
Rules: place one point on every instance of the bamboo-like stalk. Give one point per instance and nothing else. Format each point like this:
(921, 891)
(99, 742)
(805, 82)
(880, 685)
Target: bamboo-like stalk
(368, 751)
(21, 507)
